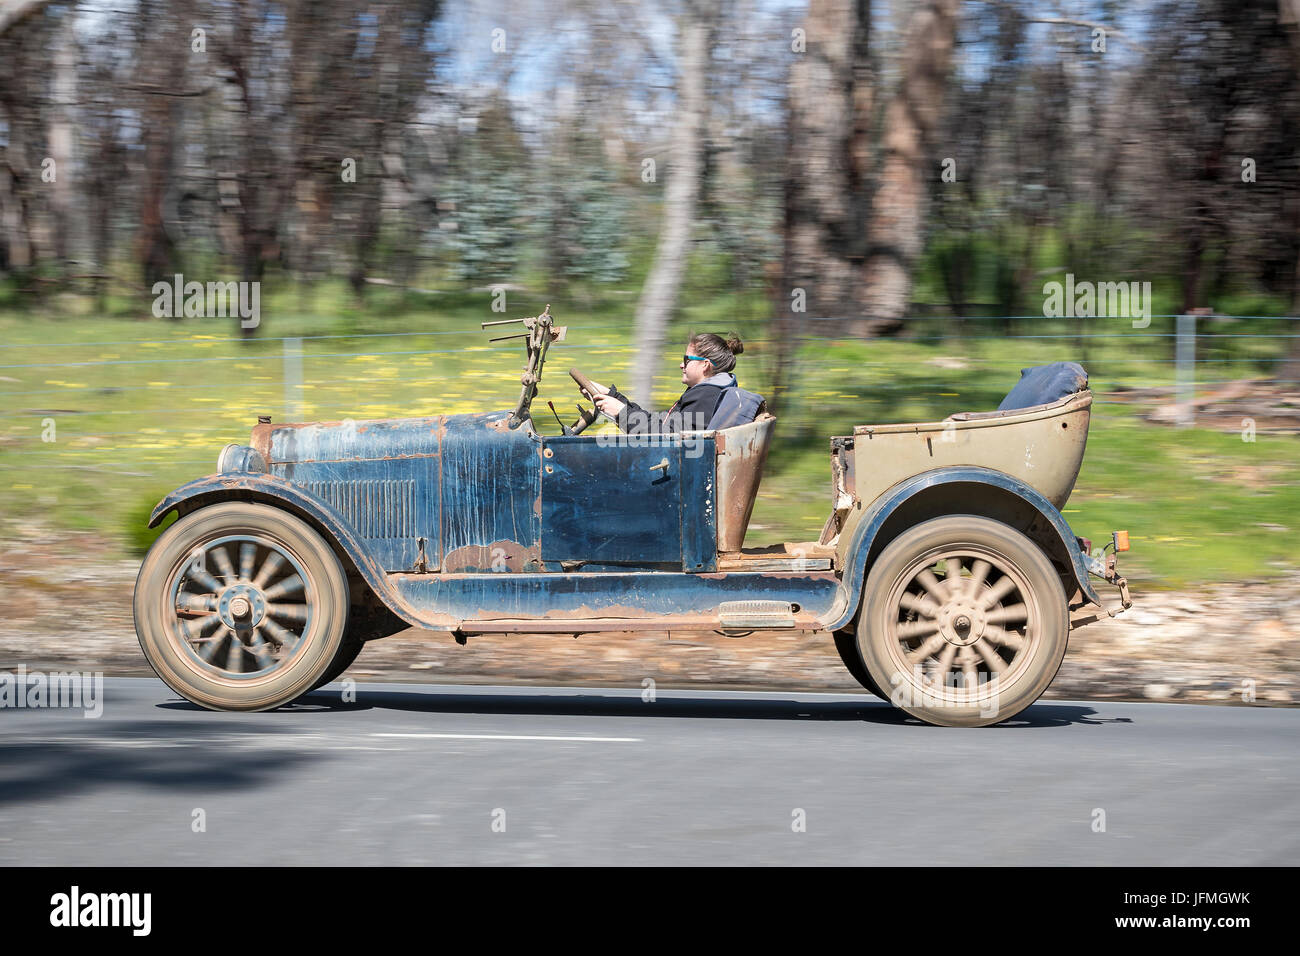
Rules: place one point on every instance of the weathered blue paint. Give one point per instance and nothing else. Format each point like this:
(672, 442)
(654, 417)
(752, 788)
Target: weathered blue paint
(491, 483)
(363, 440)
(448, 601)
(699, 506)
(464, 485)
(878, 511)
(669, 600)
(391, 505)
(643, 501)
(602, 502)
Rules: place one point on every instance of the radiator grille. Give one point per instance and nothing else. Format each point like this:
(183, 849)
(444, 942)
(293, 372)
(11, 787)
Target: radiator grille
(374, 508)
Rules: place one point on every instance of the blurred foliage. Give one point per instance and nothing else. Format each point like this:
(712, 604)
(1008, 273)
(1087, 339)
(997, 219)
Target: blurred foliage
(489, 207)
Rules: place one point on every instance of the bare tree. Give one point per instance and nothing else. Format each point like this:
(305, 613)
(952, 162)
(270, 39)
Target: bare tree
(685, 169)
(163, 42)
(1289, 15)
(897, 221)
(828, 106)
(23, 36)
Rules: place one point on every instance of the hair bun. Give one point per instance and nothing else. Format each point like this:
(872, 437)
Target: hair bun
(734, 345)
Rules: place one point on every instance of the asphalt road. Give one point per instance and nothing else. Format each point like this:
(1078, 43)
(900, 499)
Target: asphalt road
(418, 773)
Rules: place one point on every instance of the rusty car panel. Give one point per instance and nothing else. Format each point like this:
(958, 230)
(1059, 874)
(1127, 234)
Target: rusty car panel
(636, 599)
(741, 454)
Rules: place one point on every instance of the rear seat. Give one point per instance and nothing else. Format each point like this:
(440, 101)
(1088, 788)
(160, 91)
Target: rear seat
(1040, 386)
(1045, 384)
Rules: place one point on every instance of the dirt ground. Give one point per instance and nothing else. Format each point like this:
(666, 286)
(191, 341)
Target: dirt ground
(1262, 406)
(65, 604)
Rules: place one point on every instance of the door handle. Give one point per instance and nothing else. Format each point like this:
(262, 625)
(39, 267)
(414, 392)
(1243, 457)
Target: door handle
(662, 466)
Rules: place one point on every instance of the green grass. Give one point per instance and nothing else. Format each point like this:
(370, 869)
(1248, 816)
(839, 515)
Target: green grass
(1200, 505)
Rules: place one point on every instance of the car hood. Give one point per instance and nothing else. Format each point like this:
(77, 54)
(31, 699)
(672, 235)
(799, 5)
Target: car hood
(351, 440)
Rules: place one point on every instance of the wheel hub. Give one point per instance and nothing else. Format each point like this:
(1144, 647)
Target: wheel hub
(961, 623)
(241, 607)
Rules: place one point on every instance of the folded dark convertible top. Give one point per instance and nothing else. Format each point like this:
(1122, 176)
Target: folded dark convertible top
(1045, 383)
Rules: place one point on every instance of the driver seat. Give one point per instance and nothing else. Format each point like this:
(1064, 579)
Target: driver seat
(741, 452)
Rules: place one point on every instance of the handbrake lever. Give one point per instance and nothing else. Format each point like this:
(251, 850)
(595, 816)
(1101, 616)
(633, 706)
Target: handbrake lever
(564, 429)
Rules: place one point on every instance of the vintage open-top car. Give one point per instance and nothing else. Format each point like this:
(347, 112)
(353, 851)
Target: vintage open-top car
(945, 571)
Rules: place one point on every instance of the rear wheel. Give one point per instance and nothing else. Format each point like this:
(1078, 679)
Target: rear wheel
(241, 606)
(964, 621)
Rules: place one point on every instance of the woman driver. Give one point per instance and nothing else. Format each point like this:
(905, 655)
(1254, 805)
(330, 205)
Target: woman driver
(706, 371)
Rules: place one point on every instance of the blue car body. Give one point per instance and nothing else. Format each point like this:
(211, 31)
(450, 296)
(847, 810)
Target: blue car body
(463, 523)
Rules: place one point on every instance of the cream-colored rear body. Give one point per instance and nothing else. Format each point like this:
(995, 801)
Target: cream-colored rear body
(1042, 446)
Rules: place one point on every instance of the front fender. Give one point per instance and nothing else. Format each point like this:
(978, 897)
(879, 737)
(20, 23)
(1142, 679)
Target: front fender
(274, 490)
(864, 533)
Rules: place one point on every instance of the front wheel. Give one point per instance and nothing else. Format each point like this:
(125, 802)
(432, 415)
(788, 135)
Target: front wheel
(240, 606)
(348, 653)
(365, 624)
(964, 621)
(847, 645)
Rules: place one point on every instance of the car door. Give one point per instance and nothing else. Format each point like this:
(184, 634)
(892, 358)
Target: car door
(608, 503)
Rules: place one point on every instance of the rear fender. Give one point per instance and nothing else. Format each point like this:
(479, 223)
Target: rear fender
(961, 490)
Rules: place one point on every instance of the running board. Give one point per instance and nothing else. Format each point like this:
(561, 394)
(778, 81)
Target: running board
(756, 614)
(732, 615)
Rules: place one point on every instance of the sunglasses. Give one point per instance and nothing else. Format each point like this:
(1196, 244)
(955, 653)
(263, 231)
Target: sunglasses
(688, 359)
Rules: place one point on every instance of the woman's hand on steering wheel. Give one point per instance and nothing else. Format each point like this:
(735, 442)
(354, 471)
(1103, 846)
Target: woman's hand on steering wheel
(609, 405)
(598, 394)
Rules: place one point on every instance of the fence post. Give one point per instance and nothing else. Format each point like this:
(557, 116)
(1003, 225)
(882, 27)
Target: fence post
(292, 379)
(1185, 370)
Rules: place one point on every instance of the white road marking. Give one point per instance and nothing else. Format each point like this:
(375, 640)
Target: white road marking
(606, 740)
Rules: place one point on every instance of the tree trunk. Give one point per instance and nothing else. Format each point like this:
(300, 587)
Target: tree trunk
(15, 214)
(61, 137)
(155, 249)
(1289, 13)
(659, 296)
(825, 159)
(828, 149)
(897, 222)
(20, 156)
(1289, 369)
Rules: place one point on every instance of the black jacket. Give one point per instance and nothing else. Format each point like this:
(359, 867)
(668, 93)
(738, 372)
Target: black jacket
(692, 412)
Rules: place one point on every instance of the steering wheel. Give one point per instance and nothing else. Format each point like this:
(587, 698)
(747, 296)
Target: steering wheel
(588, 415)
